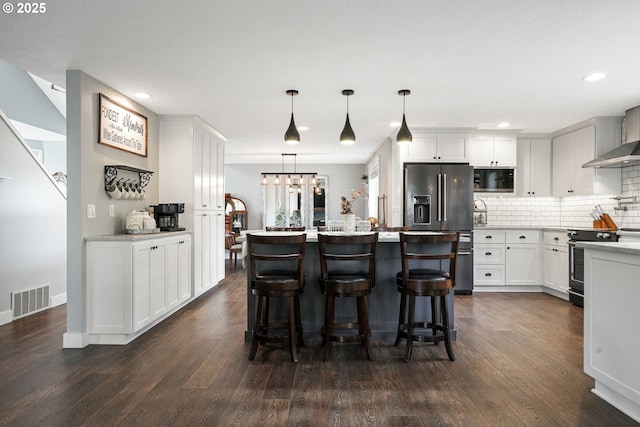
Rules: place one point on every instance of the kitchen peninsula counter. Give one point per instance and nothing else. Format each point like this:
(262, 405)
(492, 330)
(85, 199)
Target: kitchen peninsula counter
(384, 301)
(611, 322)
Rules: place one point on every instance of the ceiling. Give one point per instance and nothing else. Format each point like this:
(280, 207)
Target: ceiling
(467, 64)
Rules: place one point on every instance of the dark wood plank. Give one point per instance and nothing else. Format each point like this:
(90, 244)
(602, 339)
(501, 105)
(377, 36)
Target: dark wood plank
(518, 362)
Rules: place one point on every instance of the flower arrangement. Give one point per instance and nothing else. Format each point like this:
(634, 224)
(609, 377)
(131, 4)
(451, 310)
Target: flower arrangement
(346, 204)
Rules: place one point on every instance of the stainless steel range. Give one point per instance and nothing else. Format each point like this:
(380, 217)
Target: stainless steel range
(576, 258)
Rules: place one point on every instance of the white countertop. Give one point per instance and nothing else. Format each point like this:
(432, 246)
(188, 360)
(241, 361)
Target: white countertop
(632, 248)
(134, 237)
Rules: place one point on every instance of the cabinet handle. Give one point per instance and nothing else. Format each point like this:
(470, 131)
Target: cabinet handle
(488, 237)
(204, 206)
(508, 247)
(523, 237)
(487, 274)
(487, 253)
(556, 238)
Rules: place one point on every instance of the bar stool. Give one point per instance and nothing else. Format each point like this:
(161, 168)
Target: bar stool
(347, 265)
(415, 280)
(277, 271)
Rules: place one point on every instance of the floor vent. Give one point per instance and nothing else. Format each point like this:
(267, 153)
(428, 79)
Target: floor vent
(29, 301)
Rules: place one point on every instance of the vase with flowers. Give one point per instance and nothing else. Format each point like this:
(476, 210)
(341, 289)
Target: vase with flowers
(347, 205)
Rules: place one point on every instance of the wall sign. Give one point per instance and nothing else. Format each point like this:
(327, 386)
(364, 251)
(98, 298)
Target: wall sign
(122, 128)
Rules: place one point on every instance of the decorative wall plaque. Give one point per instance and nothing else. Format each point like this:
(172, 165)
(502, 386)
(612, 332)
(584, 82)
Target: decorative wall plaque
(121, 127)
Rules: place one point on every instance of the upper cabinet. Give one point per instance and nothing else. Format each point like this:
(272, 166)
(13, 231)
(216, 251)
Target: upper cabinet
(192, 163)
(575, 146)
(489, 150)
(533, 171)
(438, 147)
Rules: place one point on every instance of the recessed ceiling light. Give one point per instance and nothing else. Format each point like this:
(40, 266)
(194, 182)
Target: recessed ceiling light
(394, 124)
(142, 95)
(594, 77)
(504, 125)
(303, 128)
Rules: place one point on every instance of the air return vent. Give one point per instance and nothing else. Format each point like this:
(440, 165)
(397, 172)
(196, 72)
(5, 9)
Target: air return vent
(29, 301)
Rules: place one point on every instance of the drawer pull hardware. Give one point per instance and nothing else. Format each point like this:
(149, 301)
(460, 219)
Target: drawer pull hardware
(488, 237)
(488, 253)
(523, 237)
(487, 274)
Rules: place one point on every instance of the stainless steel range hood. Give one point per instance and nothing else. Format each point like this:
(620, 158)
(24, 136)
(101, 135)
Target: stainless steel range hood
(627, 154)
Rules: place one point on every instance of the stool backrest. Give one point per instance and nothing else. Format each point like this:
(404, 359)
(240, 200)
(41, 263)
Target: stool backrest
(293, 228)
(348, 252)
(416, 248)
(277, 252)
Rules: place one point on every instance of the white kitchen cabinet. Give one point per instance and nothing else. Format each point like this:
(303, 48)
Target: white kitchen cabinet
(438, 147)
(149, 282)
(134, 282)
(494, 150)
(192, 165)
(574, 146)
(489, 257)
(507, 259)
(178, 272)
(208, 242)
(209, 159)
(556, 261)
(533, 170)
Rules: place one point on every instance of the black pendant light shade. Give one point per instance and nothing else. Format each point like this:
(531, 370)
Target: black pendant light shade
(404, 135)
(347, 137)
(292, 136)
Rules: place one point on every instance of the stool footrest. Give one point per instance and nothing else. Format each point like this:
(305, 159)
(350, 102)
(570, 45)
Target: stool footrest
(424, 332)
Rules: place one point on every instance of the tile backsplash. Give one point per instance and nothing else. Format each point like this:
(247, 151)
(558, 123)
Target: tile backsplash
(568, 211)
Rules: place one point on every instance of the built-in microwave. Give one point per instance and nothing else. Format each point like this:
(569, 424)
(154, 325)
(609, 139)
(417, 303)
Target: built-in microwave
(493, 180)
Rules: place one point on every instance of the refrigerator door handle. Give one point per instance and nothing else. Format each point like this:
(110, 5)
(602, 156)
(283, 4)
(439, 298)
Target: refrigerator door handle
(444, 197)
(439, 207)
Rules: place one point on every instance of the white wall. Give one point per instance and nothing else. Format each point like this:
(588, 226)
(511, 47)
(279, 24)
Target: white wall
(85, 162)
(32, 225)
(243, 181)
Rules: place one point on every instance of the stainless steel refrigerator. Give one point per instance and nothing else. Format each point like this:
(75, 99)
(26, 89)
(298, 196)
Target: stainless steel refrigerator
(439, 197)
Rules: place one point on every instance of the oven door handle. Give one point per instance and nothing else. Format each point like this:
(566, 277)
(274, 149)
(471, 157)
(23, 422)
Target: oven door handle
(575, 293)
(572, 255)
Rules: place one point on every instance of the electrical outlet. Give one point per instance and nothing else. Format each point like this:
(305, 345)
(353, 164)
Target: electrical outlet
(91, 211)
(112, 211)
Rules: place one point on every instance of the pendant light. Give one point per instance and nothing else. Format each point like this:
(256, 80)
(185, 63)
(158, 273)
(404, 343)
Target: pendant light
(404, 135)
(347, 137)
(292, 136)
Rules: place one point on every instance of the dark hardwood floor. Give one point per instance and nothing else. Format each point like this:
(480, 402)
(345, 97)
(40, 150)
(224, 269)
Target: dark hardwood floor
(519, 363)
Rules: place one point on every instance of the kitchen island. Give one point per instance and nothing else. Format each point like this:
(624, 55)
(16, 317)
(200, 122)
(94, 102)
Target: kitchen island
(611, 322)
(384, 301)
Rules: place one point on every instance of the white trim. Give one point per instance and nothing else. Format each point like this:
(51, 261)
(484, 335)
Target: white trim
(6, 317)
(75, 340)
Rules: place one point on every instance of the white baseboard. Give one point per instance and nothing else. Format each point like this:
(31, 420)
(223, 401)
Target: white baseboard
(6, 317)
(57, 300)
(75, 340)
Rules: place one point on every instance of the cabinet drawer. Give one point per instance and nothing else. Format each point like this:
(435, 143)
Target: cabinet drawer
(488, 275)
(488, 254)
(523, 236)
(488, 236)
(555, 238)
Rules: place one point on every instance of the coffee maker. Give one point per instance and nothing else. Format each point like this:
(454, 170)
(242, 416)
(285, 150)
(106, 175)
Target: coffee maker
(166, 215)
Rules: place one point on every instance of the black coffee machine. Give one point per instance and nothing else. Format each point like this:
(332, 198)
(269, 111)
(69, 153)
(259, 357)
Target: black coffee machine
(166, 215)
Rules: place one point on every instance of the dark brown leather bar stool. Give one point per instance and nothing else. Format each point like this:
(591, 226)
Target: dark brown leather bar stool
(277, 271)
(419, 279)
(347, 265)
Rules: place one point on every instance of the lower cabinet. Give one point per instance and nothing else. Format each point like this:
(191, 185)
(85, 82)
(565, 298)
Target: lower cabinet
(208, 248)
(556, 261)
(508, 258)
(134, 281)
